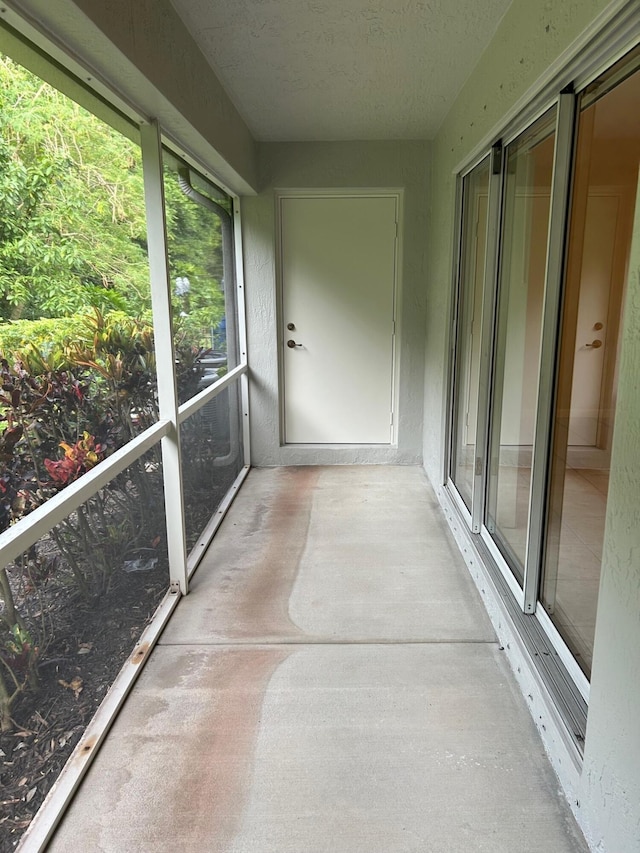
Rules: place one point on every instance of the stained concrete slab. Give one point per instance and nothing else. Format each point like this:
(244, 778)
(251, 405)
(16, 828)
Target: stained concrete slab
(331, 685)
(357, 553)
(356, 748)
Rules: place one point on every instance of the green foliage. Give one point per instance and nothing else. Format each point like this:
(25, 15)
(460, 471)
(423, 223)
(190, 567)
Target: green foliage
(18, 659)
(59, 422)
(73, 220)
(48, 336)
(77, 364)
(194, 242)
(118, 352)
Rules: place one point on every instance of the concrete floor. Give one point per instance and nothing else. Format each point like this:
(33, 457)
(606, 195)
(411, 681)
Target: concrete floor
(331, 685)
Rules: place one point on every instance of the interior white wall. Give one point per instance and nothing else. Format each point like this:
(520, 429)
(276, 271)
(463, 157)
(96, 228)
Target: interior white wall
(334, 165)
(530, 38)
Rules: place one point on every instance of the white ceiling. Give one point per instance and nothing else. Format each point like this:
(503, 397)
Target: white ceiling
(301, 70)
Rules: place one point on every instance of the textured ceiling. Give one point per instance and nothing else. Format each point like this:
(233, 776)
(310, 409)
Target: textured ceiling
(302, 70)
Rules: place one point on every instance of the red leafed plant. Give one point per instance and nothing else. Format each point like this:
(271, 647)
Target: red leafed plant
(78, 458)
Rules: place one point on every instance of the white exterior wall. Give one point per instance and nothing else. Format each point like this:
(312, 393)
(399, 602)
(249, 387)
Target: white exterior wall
(334, 165)
(529, 39)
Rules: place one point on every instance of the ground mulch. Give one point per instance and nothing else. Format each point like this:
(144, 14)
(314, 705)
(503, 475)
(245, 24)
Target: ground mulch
(91, 642)
(88, 643)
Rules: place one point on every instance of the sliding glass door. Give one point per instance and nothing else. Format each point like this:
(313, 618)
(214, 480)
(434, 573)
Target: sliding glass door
(602, 221)
(517, 337)
(541, 293)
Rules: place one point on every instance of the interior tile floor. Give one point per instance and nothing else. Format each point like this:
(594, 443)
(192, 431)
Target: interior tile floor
(331, 684)
(579, 563)
(571, 580)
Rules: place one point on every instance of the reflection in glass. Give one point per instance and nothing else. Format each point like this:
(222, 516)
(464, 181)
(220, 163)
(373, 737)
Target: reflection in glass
(602, 223)
(212, 458)
(525, 222)
(200, 248)
(475, 192)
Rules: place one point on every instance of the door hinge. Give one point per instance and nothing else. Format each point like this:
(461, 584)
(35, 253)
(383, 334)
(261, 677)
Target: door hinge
(391, 419)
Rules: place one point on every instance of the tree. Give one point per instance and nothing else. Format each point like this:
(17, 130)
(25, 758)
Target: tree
(195, 254)
(72, 214)
(72, 225)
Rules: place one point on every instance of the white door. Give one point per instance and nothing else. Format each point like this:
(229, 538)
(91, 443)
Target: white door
(338, 267)
(600, 231)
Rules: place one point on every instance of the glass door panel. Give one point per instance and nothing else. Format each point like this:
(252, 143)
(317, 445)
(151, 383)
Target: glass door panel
(516, 358)
(475, 193)
(601, 226)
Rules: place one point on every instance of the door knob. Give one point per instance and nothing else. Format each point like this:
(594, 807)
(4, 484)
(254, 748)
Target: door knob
(595, 344)
(291, 344)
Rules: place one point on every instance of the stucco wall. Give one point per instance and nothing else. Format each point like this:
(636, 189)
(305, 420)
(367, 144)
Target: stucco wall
(330, 166)
(530, 38)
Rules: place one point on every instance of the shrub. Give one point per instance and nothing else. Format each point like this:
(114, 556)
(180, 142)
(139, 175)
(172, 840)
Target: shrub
(65, 406)
(49, 337)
